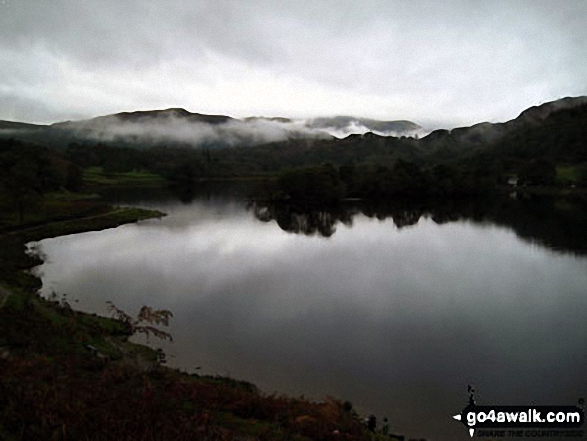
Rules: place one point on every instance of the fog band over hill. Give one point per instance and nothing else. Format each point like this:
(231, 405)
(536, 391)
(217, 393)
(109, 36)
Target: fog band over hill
(233, 133)
(172, 129)
(356, 127)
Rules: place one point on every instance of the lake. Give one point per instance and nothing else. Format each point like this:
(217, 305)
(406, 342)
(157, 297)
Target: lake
(394, 309)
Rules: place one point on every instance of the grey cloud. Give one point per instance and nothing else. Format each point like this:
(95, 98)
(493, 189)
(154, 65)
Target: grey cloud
(138, 33)
(427, 61)
(26, 108)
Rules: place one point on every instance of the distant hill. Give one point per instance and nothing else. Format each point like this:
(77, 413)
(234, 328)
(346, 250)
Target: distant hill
(13, 125)
(179, 127)
(537, 114)
(351, 124)
(544, 145)
(169, 127)
(264, 118)
(555, 129)
(485, 135)
(32, 133)
(485, 132)
(146, 117)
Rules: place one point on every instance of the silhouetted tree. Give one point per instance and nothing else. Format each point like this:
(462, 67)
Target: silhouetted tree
(538, 172)
(74, 178)
(316, 185)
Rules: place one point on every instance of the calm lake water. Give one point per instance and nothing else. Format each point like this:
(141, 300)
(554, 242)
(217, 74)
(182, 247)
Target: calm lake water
(397, 312)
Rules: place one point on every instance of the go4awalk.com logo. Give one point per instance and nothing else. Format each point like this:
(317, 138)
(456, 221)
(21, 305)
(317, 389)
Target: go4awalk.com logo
(522, 421)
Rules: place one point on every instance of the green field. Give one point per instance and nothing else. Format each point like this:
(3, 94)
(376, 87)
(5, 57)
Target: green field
(566, 174)
(571, 174)
(97, 176)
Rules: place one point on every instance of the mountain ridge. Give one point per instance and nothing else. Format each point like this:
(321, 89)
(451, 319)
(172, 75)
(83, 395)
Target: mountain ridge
(140, 116)
(225, 131)
(486, 132)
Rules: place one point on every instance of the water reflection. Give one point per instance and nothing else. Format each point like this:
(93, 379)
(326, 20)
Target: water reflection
(396, 319)
(295, 220)
(555, 223)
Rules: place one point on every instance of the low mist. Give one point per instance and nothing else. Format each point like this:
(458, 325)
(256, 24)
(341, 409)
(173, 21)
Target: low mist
(178, 130)
(180, 127)
(360, 129)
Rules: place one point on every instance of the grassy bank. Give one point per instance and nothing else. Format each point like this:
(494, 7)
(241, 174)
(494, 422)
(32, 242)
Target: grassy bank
(96, 177)
(77, 217)
(67, 375)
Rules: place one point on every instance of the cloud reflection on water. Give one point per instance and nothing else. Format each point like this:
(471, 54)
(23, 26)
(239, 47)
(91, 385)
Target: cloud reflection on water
(396, 320)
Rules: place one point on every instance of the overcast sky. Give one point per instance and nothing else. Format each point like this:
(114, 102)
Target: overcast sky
(437, 63)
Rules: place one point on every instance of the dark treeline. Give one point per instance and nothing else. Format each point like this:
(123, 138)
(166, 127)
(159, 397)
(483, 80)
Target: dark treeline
(327, 184)
(465, 160)
(544, 146)
(28, 172)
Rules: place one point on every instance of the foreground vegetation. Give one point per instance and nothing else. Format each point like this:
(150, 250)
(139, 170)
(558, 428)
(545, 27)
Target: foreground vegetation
(67, 375)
